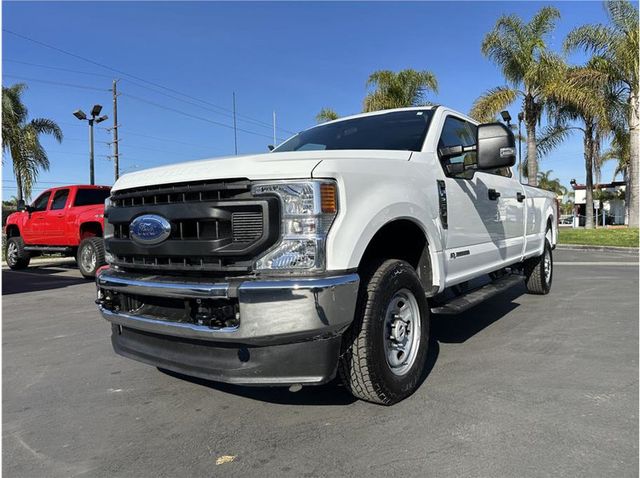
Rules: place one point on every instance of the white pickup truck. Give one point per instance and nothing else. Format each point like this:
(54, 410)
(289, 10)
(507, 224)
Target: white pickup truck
(326, 256)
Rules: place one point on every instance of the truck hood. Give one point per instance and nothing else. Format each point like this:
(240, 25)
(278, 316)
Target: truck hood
(289, 165)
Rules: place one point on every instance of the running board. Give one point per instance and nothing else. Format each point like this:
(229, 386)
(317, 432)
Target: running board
(472, 298)
(64, 249)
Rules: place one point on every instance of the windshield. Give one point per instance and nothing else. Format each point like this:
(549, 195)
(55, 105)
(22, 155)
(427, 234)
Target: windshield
(398, 130)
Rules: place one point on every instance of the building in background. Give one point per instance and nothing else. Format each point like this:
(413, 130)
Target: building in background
(608, 200)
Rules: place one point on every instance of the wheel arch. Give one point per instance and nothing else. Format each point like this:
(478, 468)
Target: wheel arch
(90, 229)
(405, 239)
(13, 230)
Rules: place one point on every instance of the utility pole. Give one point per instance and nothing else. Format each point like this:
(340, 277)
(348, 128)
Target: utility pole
(275, 142)
(92, 178)
(116, 154)
(235, 128)
(520, 118)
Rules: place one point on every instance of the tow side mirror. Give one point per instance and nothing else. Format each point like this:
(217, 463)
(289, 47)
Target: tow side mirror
(496, 146)
(21, 205)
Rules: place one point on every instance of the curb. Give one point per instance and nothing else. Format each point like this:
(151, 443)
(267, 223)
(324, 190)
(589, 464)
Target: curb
(45, 260)
(581, 247)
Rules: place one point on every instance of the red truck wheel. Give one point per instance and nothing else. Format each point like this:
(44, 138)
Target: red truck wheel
(90, 256)
(17, 257)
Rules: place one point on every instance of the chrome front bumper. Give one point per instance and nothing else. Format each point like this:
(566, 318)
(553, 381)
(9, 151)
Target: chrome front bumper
(272, 311)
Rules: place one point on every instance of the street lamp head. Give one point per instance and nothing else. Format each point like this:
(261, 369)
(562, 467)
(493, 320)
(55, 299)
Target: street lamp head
(521, 116)
(506, 117)
(95, 111)
(80, 114)
(101, 119)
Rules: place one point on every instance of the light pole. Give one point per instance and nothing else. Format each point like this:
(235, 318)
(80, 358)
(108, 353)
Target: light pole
(520, 119)
(95, 111)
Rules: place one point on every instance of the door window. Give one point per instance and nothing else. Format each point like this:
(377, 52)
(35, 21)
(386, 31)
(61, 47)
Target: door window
(40, 204)
(457, 132)
(59, 199)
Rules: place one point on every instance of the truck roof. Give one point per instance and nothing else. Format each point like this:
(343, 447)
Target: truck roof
(80, 186)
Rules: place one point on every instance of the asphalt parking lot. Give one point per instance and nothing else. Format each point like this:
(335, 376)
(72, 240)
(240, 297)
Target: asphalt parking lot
(520, 386)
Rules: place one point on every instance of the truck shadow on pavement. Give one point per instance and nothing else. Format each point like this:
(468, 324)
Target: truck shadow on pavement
(37, 279)
(332, 393)
(457, 329)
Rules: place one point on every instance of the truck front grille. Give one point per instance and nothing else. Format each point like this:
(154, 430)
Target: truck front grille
(214, 227)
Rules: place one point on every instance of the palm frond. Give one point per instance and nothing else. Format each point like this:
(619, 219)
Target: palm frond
(487, 106)
(326, 114)
(551, 137)
(47, 126)
(543, 22)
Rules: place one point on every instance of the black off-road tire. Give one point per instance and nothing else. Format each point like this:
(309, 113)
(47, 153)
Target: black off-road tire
(363, 368)
(539, 272)
(90, 245)
(21, 258)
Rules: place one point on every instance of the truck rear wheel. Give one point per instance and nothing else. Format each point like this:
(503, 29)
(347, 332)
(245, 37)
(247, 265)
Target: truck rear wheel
(538, 271)
(17, 257)
(90, 256)
(385, 349)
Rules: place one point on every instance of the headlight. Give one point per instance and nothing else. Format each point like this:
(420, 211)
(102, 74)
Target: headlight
(308, 210)
(108, 228)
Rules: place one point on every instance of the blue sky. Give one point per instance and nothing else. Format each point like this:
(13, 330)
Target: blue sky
(293, 58)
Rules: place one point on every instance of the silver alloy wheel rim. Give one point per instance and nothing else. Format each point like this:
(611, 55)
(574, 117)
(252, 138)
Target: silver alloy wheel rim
(88, 258)
(547, 266)
(12, 253)
(402, 332)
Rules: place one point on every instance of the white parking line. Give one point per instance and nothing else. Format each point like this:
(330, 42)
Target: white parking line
(630, 264)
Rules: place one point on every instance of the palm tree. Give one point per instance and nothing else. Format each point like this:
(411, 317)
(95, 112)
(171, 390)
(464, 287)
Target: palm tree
(615, 48)
(553, 185)
(326, 114)
(397, 90)
(520, 51)
(583, 101)
(21, 139)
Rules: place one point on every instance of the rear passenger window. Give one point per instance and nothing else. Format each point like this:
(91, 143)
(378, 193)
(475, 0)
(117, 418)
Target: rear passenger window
(59, 199)
(90, 197)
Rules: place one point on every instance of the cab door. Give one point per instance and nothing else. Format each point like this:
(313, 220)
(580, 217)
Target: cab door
(56, 218)
(469, 242)
(485, 208)
(35, 229)
(505, 219)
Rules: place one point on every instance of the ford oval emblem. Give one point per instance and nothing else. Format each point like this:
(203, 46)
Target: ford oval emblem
(149, 229)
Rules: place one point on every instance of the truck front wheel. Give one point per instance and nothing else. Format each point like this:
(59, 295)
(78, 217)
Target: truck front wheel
(385, 349)
(90, 256)
(17, 257)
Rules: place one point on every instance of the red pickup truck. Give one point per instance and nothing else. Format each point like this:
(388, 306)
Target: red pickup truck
(67, 220)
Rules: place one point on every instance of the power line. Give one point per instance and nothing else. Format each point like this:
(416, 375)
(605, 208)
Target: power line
(201, 118)
(121, 72)
(228, 115)
(56, 68)
(58, 83)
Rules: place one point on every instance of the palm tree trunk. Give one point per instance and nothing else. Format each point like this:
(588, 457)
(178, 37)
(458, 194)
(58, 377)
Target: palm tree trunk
(627, 191)
(634, 152)
(532, 154)
(19, 185)
(588, 165)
